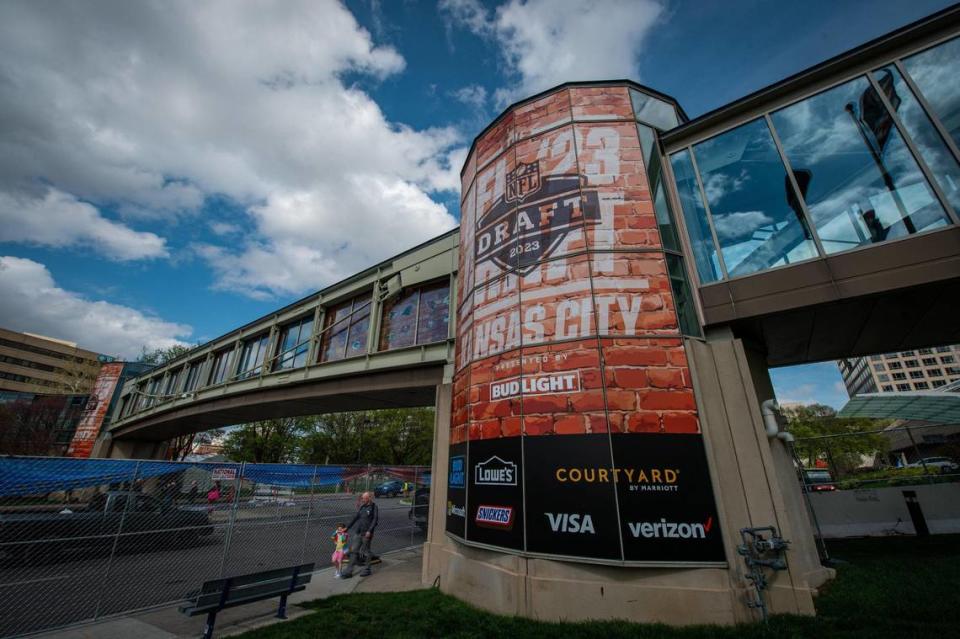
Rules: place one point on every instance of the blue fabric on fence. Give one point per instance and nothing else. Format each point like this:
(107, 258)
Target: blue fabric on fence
(37, 476)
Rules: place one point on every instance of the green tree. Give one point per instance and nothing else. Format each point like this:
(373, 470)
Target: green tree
(160, 356)
(269, 441)
(392, 436)
(842, 442)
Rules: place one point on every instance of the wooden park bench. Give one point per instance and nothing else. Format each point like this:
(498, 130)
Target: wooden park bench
(218, 594)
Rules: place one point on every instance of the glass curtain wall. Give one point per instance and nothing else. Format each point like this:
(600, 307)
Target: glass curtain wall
(869, 160)
(686, 312)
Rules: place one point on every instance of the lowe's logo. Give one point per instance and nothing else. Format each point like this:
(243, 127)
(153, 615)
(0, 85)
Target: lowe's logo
(496, 472)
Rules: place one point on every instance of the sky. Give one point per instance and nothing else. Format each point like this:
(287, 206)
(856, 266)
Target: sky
(171, 170)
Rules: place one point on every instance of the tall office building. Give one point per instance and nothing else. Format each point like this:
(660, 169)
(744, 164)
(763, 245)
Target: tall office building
(36, 364)
(918, 370)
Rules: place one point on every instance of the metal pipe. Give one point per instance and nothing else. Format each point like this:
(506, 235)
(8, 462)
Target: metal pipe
(769, 410)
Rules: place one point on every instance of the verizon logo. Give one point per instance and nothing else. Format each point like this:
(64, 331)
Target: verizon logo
(664, 529)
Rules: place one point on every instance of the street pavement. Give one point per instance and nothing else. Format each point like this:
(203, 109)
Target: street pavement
(399, 571)
(73, 586)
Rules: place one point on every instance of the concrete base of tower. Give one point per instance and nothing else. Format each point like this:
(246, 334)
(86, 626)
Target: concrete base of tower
(562, 591)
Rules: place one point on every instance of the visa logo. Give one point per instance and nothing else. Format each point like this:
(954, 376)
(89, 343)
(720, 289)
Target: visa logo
(570, 523)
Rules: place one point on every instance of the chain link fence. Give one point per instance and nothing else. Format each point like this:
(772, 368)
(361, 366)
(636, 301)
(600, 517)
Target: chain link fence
(81, 539)
(900, 480)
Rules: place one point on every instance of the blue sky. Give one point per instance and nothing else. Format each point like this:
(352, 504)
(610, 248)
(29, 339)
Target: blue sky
(172, 171)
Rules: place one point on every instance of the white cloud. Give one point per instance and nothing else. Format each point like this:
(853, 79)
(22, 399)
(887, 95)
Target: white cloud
(149, 108)
(739, 224)
(33, 302)
(473, 95)
(58, 219)
(548, 42)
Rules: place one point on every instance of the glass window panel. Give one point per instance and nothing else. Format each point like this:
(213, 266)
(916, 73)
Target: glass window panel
(359, 328)
(859, 180)
(294, 344)
(695, 215)
(651, 160)
(756, 214)
(334, 343)
(193, 376)
(399, 320)
(653, 111)
(221, 365)
(686, 312)
(925, 136)
(251, 356)
(935, 73)
(434, 316)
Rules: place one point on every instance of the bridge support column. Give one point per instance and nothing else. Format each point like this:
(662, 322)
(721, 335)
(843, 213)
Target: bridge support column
(436, 520)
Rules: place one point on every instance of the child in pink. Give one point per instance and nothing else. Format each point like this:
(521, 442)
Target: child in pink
(339, 538)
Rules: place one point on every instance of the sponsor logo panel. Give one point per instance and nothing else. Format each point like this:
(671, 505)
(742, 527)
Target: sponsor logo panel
(668, 515)
(495, 492)
(456, 523)
(576, 519)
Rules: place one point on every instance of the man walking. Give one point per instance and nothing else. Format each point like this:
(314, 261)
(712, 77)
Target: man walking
(366, 519)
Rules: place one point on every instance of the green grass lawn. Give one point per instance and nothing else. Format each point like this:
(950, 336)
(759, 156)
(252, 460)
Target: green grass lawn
(893, 587)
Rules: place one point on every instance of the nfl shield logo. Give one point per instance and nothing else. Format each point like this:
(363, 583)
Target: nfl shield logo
(522, 181)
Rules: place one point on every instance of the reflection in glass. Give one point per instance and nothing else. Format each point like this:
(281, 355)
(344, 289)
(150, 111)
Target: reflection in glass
(862, 185)
(434, 316)
(221, 365)
(757, 217)
(653, 111)
(935, 73)
(925, 136)
(193, 376)
(683, 298)
(695, 215)
(399, 324)
(251, 356)
(651, 160)
(345, 330)
(294, 344)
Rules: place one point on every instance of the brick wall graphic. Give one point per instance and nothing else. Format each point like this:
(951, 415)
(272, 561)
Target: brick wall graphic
(570, 365)
(84, 437)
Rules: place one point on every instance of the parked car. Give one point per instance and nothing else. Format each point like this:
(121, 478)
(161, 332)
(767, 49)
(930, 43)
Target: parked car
(942, 465)
(816, 480)
(388, 489)
(146, 520)
(420, 508)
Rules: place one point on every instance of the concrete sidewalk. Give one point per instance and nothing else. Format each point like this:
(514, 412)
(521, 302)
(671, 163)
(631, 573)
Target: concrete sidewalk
(399, 571)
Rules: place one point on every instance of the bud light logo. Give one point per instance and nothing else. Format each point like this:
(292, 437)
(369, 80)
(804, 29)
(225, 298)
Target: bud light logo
(458, 475)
